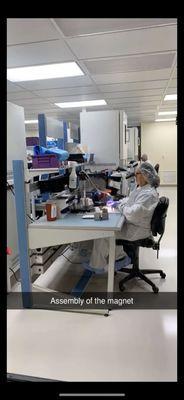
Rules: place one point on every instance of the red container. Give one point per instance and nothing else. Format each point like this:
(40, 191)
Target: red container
(51, 210)
(45, 161)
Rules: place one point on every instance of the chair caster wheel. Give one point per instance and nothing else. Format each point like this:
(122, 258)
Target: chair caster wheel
(121, 287)
(155, 289)
(163, 275)
(106, 315)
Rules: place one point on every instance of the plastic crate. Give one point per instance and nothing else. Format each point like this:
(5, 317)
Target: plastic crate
(45, 161)
(32, 141)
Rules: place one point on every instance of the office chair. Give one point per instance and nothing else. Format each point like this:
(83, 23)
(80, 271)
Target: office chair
(157, 166)
(132, 248)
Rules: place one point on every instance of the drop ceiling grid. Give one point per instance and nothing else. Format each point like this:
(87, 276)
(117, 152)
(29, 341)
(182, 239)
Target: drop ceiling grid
(161, 84)
(83, 26)
(63, 92)
(81, 97)
(54, 51)
(118, 77)
(35, 30)
(124, 100)
(159, 39)
(21, 95)
(132, 89)
(133, 93)
(57, 83)
(131, 64)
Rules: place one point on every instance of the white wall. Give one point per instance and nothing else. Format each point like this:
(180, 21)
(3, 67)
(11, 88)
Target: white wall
(16, 136)
(159, 141)
(100, 132)
(32, 133)
(73, 131)
(104, 134)
(54, 127)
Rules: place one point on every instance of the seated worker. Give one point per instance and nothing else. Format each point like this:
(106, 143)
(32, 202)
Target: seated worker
(144, 158)
(137, 209)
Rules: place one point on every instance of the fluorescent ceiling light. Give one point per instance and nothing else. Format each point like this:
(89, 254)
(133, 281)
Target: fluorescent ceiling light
(167, 113)
(88, 103)
(48, 71)
(31, 121)
(170, 97)
(165, 119)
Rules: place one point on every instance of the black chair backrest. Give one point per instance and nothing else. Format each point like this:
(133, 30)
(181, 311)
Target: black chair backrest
(159, 216)
(157, 168)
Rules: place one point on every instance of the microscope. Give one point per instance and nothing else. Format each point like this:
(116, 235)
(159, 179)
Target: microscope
(81, 203)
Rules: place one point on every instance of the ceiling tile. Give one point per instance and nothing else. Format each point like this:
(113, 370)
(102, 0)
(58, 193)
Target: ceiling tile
(132, 93)
(57, 83)
(21, 95)
(175, 74)
(82, 26)
(134, 86)
(173, 83)
(28, 30)
(34, 101)
(40, 110)
(130, 64)
(168, 105)
(11, 87)
(95, 96)
(131, 113)
(125, 43)
(30, 114)
(66, 91)
(138, 89)
(172, 90)
(138, 107)
(137, 104)
(38, 53)
(132, 76)
(134, 100)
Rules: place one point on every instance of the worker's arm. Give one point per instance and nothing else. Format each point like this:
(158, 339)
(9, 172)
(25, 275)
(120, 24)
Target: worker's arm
(143, 207)
(122, 204)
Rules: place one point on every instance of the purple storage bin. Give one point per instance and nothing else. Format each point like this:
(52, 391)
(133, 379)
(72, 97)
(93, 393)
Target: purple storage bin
(32, 141)
(45, 161)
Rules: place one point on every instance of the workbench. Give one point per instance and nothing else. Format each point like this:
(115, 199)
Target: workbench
(69, 228)
(73, 228)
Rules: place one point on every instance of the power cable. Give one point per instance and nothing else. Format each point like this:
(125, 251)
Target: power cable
(18, 280)
(14, 195)
(93, 184)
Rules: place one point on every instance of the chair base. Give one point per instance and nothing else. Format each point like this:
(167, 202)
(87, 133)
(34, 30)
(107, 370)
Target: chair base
(140, 273)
